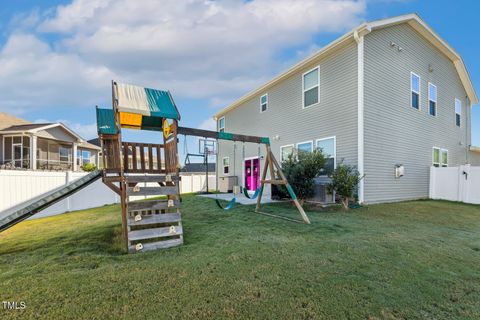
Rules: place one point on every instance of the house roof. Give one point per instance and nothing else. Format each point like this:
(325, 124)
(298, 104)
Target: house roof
(197, 167)
(475, 149)
(25, 127)
(36, 127)
(7, 120)
(87, 145)
(412, 19)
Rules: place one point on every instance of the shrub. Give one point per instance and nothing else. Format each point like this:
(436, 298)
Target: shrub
(300, 170)
(89, 167)
(345, 179)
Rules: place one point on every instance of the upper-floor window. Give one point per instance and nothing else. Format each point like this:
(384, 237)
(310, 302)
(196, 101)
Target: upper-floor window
(458, 112)
(306, 146)
(285, 152)
(440, 157)
(311, 87)
(264, 103)
(221, 124)
(415, 90)
(328, 146)
(432, 99)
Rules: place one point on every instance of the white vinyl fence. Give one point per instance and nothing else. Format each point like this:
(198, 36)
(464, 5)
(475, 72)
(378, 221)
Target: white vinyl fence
(460, 183)
(19, 186)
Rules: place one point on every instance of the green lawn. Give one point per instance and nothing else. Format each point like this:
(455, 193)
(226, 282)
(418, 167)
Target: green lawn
(418, 259)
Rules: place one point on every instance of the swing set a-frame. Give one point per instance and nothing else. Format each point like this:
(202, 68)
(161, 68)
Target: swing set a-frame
(271, 164)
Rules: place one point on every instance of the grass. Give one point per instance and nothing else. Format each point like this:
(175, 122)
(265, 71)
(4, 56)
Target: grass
(415, 260)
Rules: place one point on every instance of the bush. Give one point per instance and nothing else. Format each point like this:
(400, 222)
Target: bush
(300, 170)
(89, 167)
(345, 179)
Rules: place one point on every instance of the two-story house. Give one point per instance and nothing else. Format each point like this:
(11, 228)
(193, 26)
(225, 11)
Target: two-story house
(389, 94)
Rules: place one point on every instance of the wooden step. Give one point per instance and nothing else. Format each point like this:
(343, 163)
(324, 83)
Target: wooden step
(151, 205)
(150, 178)
(152, 191)
(157, 245)
(156, 218)
(153, 233)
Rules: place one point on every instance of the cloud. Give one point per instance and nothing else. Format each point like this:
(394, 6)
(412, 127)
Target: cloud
(216, 50)
(33, 75)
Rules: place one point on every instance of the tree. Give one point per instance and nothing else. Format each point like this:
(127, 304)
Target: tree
(301, 169)
(345, 179)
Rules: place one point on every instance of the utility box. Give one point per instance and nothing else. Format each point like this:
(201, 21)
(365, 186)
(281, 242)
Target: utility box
(226, 184)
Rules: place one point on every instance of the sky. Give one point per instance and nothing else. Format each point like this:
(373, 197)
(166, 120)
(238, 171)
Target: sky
(57, 58)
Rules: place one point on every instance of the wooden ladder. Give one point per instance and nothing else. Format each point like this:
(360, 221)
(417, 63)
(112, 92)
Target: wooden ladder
(153, 224)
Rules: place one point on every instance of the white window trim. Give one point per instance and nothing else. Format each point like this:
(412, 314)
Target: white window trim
(304, 142)
(264, 95)
(334, 148)
(419, 91)
(430, 99)
(304, 89)
(286, 146)
(218, 124)
(440, 164)
(460, 114)
(223, 166)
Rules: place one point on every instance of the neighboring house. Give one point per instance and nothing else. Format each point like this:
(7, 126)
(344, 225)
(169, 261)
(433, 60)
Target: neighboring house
(42, 146)
(389, 93)
(197, 169)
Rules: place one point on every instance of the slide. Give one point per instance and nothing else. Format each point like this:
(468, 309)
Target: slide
(14, 215)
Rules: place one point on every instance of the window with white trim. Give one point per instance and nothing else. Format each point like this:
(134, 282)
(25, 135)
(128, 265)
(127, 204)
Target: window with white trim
(415, 90)
(440, 157)
(221, 124)
(328, 148)
(285, 152)
(311, 87)
(226, 165)
(264, 103)
(458, 112)
(432, 99)
(306, 146)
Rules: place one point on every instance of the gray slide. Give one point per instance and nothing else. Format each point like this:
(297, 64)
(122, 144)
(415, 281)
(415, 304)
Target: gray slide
(14, 215)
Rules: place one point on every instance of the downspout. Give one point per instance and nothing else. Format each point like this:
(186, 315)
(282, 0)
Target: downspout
(360, 112)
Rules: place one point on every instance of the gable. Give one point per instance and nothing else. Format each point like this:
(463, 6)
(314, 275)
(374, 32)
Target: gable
(57, 133)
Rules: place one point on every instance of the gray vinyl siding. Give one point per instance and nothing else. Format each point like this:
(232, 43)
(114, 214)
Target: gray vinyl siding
(396, 133)
(334, 115)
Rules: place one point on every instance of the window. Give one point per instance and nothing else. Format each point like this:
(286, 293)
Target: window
(17, 151)
(328, 147)
(458, 112)
(285, 152)
(415, 89)
(226, 165)
(83, 157)
(440, 157)
(264, 103)
(221, 124)
(64, 153)
(306, 146)
(432, 99)
(311, 87)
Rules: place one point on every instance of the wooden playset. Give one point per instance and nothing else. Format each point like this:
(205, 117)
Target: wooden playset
(152, 170)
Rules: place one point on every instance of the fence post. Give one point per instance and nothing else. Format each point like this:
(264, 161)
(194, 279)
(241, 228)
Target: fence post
(466, 178)
(431, 192)
(68, 178)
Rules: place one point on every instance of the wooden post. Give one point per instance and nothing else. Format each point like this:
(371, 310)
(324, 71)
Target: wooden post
(290, 191)
(264, 176)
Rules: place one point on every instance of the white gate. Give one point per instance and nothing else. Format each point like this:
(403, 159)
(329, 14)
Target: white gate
(460, 183)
